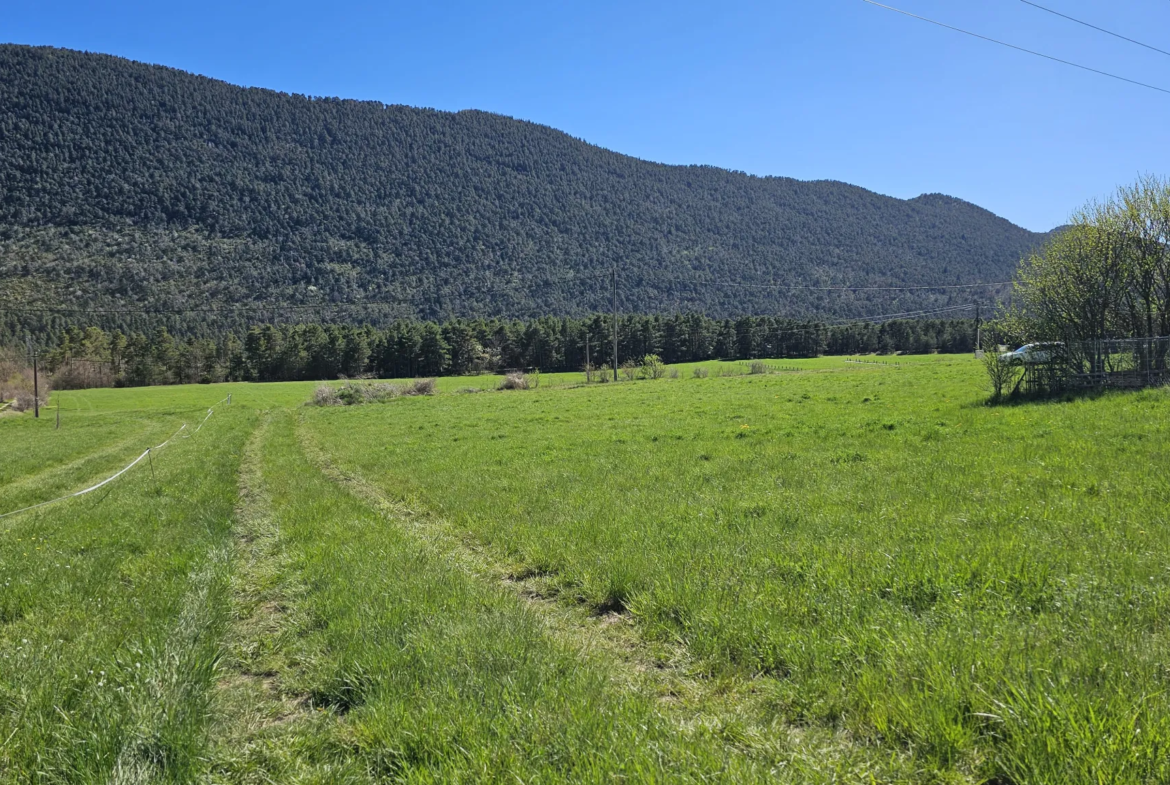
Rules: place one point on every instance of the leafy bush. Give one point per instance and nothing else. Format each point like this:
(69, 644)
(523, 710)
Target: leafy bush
(757, 367)
(652, 367)
(1002, 376)
(701, 373)
(350, 395)
(630, 370)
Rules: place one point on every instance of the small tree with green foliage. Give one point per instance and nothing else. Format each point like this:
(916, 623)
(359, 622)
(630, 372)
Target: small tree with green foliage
(653, 367)
(1001, 374)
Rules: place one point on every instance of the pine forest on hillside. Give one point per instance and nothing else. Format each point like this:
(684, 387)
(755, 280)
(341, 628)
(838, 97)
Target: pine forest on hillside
(124, 185)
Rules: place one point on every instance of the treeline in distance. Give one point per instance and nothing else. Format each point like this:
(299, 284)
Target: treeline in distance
(292, 352)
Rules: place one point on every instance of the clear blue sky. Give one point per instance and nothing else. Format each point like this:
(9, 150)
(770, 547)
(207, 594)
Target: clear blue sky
(820, 89)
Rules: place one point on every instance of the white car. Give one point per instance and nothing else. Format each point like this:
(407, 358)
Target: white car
(1031, 354)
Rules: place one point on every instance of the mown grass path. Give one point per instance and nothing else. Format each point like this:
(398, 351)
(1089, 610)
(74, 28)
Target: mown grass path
(253, 716)
(78, 473)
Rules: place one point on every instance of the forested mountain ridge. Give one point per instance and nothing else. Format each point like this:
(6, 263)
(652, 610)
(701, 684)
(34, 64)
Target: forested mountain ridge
(143, 186)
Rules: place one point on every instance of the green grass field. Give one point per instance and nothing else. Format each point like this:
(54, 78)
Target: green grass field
(841, 573)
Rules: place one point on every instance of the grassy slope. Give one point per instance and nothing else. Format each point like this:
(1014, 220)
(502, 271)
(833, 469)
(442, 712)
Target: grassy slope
(854, 569)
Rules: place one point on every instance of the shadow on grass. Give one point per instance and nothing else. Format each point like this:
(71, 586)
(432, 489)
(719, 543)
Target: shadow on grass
(1064, 396)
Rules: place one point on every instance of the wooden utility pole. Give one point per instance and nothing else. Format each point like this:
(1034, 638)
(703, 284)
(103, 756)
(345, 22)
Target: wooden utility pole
(36, 390)
(978, 330)
(615, 348)
(588, 367)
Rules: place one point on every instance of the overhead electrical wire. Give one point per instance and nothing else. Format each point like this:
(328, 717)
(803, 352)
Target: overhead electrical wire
(1099, 29)
(270, 307)
(1018, 48)
(888, 316)
(861, 320)
(801, 287)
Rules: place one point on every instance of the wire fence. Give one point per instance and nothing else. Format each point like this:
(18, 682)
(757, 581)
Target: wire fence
(1117, 363)
(145, 455)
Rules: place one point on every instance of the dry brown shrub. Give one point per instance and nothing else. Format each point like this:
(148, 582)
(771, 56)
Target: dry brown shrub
(325, 395)
(420, 387)
(515, 380)
(16, 382)
(82, 375)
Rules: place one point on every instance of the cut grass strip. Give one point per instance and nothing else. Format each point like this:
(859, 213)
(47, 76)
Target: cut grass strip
(32, 447)
(81, 472)
(256, 720)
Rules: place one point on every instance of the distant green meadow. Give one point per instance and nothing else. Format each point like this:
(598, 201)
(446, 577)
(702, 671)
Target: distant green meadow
(835, 571)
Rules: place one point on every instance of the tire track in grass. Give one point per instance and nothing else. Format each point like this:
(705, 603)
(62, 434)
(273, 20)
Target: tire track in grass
(434, 676)
(479, 687)
(394, 726)
(730, 708)
(611, 633)
(250, 706)
(173, 699)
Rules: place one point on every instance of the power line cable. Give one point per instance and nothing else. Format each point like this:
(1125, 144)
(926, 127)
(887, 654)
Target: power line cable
(1099, 29)
(860, 321)
(407, 299)
(801, 287)
(1018, 48)
(269, 307)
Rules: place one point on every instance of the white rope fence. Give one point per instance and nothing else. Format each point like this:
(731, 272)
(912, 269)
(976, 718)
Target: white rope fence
(125, 469)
